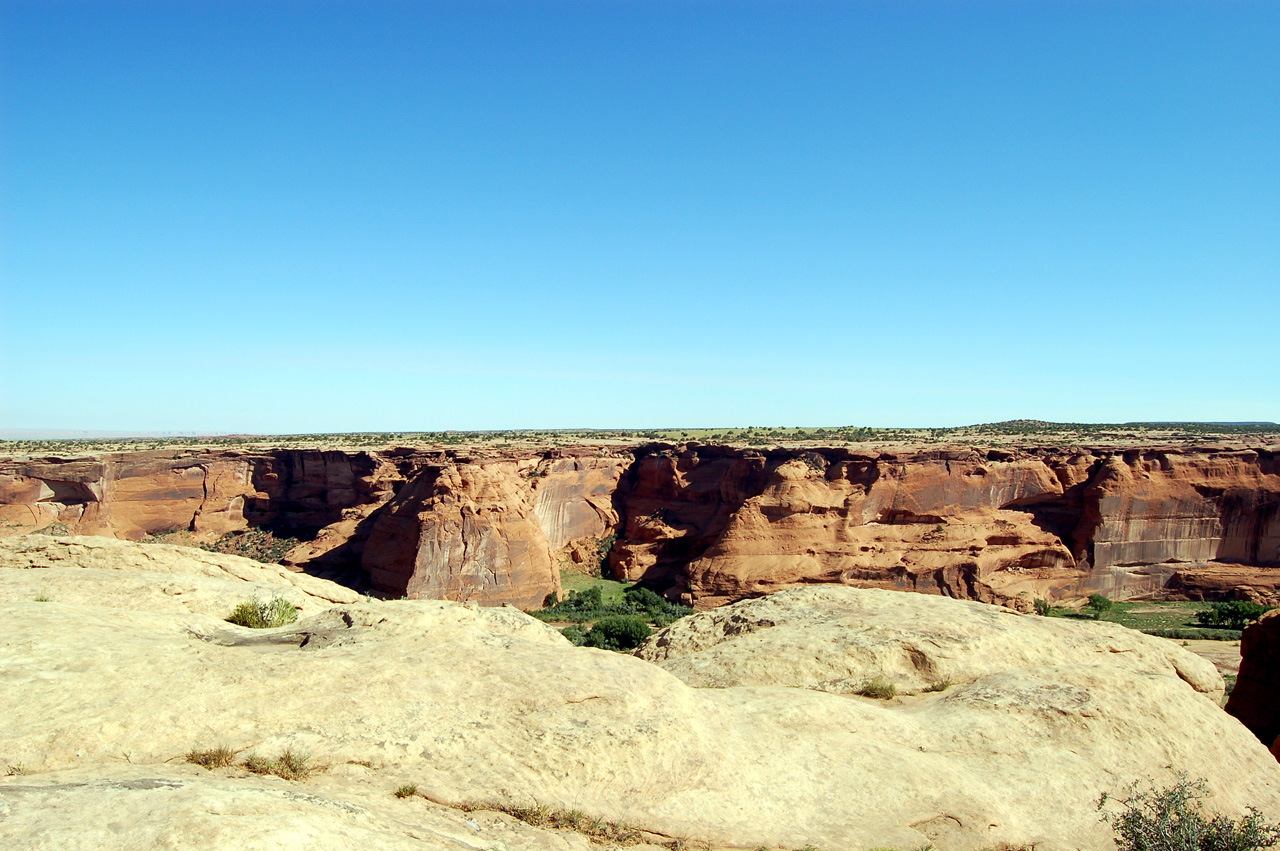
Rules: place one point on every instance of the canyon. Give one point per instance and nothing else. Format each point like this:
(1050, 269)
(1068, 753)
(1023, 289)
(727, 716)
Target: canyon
(705, 524)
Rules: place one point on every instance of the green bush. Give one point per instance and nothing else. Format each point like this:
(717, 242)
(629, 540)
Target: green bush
(589, 605)
(1173, 819)
(1099, 605)
(618, 632)
(1042, 607)
(264, 614)
(1233, 615)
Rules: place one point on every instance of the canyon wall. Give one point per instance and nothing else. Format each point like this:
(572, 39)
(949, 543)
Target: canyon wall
(709, 524)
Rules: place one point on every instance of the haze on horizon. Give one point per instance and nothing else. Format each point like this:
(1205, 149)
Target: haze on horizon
(373, 217)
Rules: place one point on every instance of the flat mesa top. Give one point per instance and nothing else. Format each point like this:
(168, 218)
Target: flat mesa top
(1013, 435)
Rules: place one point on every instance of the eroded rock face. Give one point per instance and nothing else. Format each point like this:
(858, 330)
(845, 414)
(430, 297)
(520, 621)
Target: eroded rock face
(574, 498)
(488, 705)
(712, 524)
(719, 525)
(465, 532)
(1255, 700)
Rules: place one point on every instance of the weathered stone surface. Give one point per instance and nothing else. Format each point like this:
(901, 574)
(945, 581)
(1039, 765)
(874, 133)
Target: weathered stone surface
(1255, 700)
(464, 532)
(839, 640)
(490, 705)
(150, 577)
(126, 807)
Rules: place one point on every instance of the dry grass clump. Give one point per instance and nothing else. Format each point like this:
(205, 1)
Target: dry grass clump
(596, 829)
(219, 757)
(290, 765)
(880, 689)
(264, 614)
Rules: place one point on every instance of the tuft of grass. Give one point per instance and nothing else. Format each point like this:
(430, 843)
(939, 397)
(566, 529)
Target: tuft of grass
(264, 614)
(594, 828)
(219, 757)
(17, 769)
(940, 685)
(290, 765)
(408, 790)
(880, 689)
(41, 598)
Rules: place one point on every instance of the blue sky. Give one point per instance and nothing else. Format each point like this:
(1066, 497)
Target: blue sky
(321, 216)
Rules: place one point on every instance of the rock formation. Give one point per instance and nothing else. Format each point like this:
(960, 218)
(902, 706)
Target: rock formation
(711, 524)
(720, 525)
(465, 532)
(488, 706)
(1255, 700)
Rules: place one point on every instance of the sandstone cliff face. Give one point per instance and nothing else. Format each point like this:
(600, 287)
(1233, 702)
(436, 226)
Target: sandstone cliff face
(1255, 700)
(482, 706)
(711, 524)
(465, 532)
(133, 495)
(720, 525)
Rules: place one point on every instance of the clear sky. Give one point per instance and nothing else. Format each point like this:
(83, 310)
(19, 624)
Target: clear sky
(323, 216)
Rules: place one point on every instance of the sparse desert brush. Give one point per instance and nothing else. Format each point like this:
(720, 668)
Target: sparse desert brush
(1173, 819)
(219, 757)
(264, 614)
(408, 790)
(880, 689)
(290, 765)
(938, 685)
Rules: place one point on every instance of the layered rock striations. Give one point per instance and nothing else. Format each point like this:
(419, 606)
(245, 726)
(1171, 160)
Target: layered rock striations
(488, 707)
(712, 524)
(465, 532)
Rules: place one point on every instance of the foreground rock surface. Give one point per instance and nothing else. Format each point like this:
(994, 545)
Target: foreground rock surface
(490, 706)
(840, 640)
(150, 577)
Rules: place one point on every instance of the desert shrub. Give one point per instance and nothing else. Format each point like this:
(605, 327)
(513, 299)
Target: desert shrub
(1233, 615)
(1099, 604)
(618, 632)
(264, 614)
(56, 529)
(1042, 607)
(219, 757)
(1173, 819)
(879, 688)
(290, 765)
(938, 685)
(575, 633)
(408, 790)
